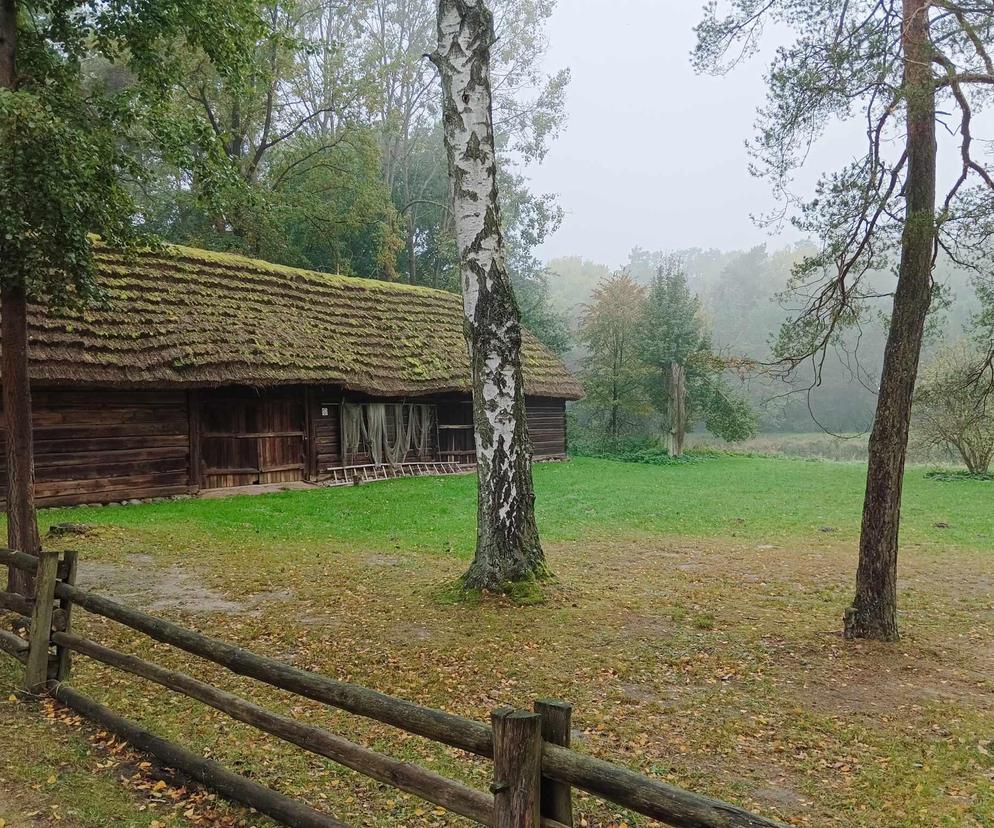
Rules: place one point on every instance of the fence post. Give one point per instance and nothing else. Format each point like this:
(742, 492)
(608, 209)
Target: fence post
(557, 797)
(63, 655)
(36, 671)
(517, 768)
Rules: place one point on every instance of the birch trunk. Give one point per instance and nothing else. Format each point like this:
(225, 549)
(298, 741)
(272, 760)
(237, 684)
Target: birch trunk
(873, 613)
(22, 524)
(507, 543)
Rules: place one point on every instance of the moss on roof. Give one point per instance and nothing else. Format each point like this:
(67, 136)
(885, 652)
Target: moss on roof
(189, 317)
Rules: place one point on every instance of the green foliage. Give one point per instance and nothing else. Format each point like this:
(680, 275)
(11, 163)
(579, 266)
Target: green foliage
(72, 147)
(954, 406)
(672, 329)
(947, 476)
(673, 332)
(58, 185)
(613, 374)
(304, 164)
(331, 138)
(635, 450)
(632, 336)
(846, 65)
(338, 217)
(529, 110)
(726, 414)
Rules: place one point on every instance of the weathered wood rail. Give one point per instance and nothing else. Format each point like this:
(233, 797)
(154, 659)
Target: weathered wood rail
(534, 768)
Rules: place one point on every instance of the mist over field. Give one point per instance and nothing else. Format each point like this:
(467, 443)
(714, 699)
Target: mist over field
(742, 307)
(649, 175)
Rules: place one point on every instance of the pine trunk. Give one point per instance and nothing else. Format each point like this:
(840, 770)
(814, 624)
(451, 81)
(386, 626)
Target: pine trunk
(874, 610)
(507, 544)
(22, 525)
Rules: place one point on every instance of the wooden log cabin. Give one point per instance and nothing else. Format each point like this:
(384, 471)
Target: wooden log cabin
(201, 371)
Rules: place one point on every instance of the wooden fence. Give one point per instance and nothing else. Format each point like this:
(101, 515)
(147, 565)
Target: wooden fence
(534, 769)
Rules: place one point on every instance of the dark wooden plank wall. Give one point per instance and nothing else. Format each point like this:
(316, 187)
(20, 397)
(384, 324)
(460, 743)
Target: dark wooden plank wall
(455, 431)
(547, 427)
(326, 422)
(100, 446)
(251, 437)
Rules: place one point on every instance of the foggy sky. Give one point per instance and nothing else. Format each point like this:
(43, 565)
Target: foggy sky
(653, 154)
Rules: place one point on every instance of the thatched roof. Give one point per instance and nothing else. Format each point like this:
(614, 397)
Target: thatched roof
(185, 317)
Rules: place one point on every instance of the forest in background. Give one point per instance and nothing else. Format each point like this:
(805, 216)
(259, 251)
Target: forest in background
(741, 305)
(326, 152)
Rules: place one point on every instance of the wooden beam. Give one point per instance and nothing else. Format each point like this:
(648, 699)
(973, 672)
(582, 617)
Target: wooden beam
(215, 776)
(14, 646)
(451, 795)
(15, 602)
(310, 436)
(36, 668)
(423, 721)
(517, 768)
(557, 797)
(194, 413)
(63, 655)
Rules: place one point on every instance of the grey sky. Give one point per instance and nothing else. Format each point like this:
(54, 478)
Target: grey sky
(654, 154)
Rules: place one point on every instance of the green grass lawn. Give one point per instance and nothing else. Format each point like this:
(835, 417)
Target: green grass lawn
(727, 495)
(694, 623)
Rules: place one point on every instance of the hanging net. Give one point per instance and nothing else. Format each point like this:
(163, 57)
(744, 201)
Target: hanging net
(387, 432)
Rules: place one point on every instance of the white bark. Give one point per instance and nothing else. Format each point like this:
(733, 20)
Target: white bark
(508, 547)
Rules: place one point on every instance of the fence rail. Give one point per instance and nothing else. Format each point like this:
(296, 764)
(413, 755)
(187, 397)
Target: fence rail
(534, 768)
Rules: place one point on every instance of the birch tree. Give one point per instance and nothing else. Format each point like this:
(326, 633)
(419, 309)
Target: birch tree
(896, 70)
(508, 548)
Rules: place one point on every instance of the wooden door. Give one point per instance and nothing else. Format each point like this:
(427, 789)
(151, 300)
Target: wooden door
(279, 430)
(249, 438)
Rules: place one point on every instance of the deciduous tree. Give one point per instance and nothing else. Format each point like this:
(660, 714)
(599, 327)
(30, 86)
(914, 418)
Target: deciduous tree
(69, 148)
(954, 407)
(612, 370)
(683, 373)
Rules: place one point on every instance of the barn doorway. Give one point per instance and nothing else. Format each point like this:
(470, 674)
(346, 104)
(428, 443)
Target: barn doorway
(249, 438)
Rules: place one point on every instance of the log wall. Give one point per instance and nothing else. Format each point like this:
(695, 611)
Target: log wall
(99, 446)
(547, 427)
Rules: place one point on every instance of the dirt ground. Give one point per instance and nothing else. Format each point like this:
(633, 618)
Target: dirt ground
(715, 665)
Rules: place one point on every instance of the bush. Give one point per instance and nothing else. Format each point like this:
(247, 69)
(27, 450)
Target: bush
(634, 450)
(954, 407)
(953, 476)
